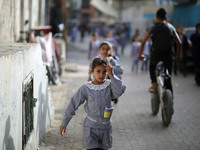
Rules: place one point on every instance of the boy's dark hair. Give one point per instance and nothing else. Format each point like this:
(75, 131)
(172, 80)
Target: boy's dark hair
(197, 25)
(106, 43)
(94, 34)
(98, 62)
(161, 13)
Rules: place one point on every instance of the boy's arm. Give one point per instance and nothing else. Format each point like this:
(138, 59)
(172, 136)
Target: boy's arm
(147, 35)
(132, 50)
(90, 72)
(90, 49)
(78, 99)
(117, 68)
(117, 87)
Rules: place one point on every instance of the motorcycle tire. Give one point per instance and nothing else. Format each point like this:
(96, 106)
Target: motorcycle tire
(167, 110)
(155, 102)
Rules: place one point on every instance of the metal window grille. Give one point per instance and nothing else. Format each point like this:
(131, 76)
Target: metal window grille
(28, 113)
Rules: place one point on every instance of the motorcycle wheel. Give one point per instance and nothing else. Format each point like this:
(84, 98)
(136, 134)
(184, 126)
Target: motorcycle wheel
(167, 110)
(155, 102)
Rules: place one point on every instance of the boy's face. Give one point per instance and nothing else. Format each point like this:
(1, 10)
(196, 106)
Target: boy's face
(104, 50)
(99, 73)
(198, 30)
(137, 39)
(179, 30)
(94, 38)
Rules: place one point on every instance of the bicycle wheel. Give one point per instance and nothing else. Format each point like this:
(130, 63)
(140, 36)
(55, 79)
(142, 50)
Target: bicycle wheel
(55, 70)
(155, 102)
(167, 110)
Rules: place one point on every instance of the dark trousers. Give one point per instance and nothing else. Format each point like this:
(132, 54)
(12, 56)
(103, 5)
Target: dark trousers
(196, 60)
(167, 59)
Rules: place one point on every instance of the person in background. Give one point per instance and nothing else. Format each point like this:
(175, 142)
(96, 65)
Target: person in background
(104, 49)
(184, 50)
(123, 40)
(134, 52)
(146, 54)
(74, 33)
(137, 33)
(110, 38)
(93, 47)
(83, 29)
(195, 39)
(96, 96)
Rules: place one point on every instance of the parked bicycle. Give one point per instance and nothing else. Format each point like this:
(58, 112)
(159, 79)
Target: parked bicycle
(162, 96)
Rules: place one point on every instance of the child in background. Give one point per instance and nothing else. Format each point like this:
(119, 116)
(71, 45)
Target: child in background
(105, 49)
(74, 33)
(112, 39)
(97, 95)
(113, 57)
(93, 47)
(146, 54)
(134, 52)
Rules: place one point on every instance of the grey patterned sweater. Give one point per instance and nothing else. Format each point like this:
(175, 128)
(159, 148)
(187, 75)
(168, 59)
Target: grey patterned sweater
(97, 130)
(96, 98)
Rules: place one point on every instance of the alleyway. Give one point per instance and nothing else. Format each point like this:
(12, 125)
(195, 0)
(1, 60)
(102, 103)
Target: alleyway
(134, 127)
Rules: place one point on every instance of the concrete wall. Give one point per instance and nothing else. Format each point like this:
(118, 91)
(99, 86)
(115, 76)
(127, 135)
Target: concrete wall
(17, 62)
(13, 14)
(7, 20)
(35, 13)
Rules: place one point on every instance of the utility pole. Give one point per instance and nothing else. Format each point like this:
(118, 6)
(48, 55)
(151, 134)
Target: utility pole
(120, 9)
(64, 20)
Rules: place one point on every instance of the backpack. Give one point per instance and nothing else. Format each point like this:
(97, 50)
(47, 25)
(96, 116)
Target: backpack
(162, 38)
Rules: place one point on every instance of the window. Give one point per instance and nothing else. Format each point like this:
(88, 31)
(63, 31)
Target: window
(28, 104)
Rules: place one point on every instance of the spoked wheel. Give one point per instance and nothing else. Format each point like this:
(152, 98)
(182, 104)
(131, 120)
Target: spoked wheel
(155, 102)
(167, 110)
(55, 70)
(52, 76)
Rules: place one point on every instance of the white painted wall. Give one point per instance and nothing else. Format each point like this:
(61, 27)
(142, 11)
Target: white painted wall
(6, 20)
(17, 61)
(35, 13)
(13, 14)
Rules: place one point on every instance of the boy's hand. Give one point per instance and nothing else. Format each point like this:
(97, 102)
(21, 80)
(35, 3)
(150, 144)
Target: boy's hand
(176, 58)
(62, 129)
(140, 57)
(109, 70)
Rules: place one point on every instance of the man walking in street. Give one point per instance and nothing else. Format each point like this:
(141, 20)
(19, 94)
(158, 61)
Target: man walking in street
(162, 34)
(195, 38)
